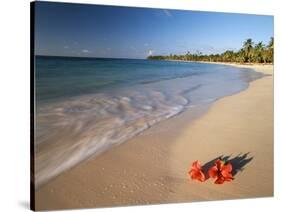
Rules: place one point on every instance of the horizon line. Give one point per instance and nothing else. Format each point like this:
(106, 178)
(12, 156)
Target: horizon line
(88, 57)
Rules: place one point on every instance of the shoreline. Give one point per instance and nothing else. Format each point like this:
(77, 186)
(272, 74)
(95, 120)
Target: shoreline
(246, 65)
(152, 167)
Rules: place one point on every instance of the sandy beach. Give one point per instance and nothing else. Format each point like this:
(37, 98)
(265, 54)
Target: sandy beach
(152, 168)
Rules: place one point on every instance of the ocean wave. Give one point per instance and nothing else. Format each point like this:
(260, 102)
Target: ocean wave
(71, 131)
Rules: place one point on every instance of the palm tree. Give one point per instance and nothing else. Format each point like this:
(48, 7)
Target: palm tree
(248, 47)
(240, 56)
(270, 48)
(271, 43)
(259, 52)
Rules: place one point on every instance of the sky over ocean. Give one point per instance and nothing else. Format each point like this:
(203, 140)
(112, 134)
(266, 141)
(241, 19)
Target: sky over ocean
(85, 30)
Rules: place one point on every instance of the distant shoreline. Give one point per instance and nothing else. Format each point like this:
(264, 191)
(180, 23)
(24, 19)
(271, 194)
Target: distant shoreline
(250, 52)
(224, 63)
(254, 66)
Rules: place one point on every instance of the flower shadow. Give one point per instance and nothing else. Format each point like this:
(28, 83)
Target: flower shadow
(238, 163)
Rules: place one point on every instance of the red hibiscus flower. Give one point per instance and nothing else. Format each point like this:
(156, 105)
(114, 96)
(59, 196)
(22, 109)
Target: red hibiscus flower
(221, 172)
(196, 172)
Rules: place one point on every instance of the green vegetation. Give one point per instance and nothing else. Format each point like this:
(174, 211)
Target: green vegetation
(249, 53)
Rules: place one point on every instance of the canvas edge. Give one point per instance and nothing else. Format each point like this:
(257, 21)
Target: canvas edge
(32, 182)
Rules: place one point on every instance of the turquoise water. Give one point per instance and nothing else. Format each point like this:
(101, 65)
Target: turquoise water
(61, 77)
(86, 105)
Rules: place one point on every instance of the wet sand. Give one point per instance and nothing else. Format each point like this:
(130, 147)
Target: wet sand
(152, 167)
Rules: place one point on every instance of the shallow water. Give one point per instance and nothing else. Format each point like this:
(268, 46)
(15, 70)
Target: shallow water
(84, 106)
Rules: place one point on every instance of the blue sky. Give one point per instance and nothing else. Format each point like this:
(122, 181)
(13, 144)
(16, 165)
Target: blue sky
(123, 32)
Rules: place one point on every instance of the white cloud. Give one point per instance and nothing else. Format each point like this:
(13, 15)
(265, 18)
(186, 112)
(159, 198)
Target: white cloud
(66, 47)
(167, 13)
(85, 51)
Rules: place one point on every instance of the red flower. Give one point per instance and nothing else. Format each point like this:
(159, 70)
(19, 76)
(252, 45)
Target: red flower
(196, 172)
(221, 172)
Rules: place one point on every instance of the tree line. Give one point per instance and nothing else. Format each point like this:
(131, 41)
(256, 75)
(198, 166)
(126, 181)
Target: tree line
(249, 53)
